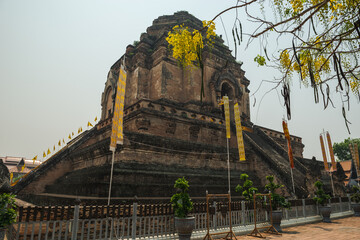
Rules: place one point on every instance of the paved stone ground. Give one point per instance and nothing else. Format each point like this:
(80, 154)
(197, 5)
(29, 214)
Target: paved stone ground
(338, 229)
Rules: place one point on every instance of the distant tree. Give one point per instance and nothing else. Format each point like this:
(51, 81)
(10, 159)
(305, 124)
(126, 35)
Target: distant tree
(342, 150)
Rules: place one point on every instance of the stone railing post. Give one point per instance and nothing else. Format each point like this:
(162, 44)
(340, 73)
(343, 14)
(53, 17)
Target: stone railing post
(340, 204)
(286, 212)
(303, 207)
(266, 212)
(214, 216)
(74, 229)
(243, 212)
(134, 218)
(317, 209)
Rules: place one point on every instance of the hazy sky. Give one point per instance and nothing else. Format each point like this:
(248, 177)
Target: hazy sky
(55, 56)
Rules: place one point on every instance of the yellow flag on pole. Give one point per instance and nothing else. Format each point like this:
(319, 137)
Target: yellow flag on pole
(227, 115)
(95, 119)
(44, 154)
(69, 136)
(117, 121)
(34, 159)
(239, 133)
(326, 166)
(54, 148)
(48, 152)
(59, 143)
(63, 141)
(89, 124)
(121, 89)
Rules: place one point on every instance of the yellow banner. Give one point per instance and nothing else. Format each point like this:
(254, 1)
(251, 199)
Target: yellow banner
(286, 130)
(122, 78)
(117, 121)
(331, 151)
(239, 134)
(227, 115)
(324, 153)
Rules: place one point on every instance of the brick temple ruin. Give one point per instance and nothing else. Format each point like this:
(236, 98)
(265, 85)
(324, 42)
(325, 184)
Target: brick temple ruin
(170, 133)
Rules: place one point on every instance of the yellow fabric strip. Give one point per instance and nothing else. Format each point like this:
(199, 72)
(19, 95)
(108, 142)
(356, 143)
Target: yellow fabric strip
(227, 115)
(239, 133)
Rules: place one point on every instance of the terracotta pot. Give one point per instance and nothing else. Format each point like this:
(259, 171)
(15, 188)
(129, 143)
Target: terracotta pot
(276, 218)
(356, 208)
(325, 212)
(184, 227)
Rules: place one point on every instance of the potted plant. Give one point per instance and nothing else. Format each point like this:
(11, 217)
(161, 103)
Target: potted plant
(355, 198)
(278, 202)
(321, 199)
(7, 212)
(246, 190)
(182, 204)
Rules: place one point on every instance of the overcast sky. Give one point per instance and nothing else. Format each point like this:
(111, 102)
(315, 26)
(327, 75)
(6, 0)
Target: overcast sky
(55, 56)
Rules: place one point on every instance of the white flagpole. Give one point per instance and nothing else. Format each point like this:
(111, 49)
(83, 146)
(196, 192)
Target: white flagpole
(114, 138)
(228, 162)
(292, 179)
(111, 175)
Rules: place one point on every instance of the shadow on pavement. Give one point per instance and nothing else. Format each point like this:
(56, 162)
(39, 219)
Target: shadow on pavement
(290, 232)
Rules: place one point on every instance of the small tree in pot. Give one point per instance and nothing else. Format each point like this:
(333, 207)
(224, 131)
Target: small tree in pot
(355, 198)
(246, 190)
(182, 205)
(278, 202)
(7, 212)
(321, 198)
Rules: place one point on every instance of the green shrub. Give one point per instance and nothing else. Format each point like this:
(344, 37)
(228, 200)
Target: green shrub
(277, 201)
(181, 201)
(320, 195)
(7, 210)
(355, 196)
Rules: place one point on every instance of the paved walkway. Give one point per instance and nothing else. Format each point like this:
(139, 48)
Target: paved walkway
(344, 228)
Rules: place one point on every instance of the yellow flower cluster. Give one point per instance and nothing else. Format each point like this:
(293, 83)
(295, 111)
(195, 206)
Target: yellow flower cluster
(187, 46)
(297, 5)
(285, 61)
(318, 64)
(210, 32)
(355, 86)
(183, 44)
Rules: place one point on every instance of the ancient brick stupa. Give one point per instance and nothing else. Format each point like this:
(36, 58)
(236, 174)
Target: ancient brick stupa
(169, 132)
